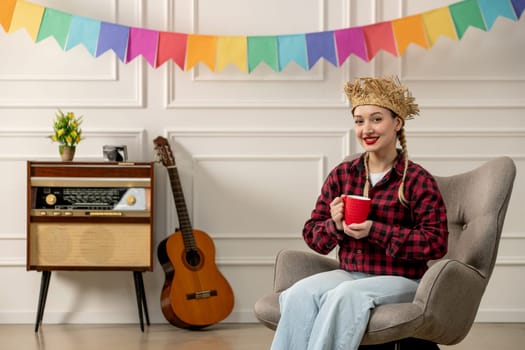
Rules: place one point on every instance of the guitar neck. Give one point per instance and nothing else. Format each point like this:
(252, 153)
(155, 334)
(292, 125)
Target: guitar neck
(182, 211)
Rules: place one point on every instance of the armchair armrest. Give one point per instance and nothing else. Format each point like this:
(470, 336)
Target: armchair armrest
(449, 294)
(294, 265)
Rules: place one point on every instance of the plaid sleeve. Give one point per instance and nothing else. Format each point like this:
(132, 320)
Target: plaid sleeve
(425, 236)
(319, 231)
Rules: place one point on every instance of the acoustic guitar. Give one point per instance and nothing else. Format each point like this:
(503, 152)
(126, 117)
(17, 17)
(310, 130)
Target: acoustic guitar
(195, 293)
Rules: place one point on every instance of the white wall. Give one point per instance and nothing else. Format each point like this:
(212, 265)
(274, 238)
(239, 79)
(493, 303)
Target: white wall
(252, 149)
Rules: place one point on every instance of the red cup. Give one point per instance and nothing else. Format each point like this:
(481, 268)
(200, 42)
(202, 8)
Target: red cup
(356, 209)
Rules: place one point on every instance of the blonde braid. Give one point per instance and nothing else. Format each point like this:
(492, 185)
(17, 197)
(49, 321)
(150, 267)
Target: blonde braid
(404, 153)
(367, 175)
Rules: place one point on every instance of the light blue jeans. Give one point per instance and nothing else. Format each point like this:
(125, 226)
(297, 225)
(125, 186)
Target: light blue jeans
(330, 310)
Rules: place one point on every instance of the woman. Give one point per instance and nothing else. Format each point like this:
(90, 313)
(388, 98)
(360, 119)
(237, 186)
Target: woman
(382, 259)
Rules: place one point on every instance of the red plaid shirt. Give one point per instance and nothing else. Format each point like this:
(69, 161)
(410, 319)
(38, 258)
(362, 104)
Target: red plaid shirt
(401, 240)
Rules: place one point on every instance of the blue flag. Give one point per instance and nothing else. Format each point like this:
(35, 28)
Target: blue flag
(113, 37)
(292, 48)
(321, 45)
(83, 31)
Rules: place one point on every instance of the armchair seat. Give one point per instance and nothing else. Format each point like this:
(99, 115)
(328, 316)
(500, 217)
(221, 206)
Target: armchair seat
(449, 294)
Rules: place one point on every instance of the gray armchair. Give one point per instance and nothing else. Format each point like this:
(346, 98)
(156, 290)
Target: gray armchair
(448, 297)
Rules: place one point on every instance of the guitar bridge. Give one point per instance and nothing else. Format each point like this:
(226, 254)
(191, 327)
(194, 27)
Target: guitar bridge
(202, 294)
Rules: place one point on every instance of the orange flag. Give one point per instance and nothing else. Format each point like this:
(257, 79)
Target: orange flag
(7, 8)
(201, 48)
(27, 16)
(232, 49)
(409, 30)
(438, 22)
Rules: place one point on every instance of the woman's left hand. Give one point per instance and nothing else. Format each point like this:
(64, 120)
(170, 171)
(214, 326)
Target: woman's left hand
(358, 231)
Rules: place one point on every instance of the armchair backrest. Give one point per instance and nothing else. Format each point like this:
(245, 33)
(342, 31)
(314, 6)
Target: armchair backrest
(476, 204)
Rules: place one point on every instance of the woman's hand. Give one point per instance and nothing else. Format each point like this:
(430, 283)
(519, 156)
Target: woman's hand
(336, 211)
(358, 231)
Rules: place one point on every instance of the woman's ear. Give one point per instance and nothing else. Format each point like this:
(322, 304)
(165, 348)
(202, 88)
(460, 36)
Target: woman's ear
(399, 123)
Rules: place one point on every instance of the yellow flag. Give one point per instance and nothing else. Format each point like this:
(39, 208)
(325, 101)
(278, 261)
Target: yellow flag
(201, 48)
(28, 16)
(438, 22)
(232, 49)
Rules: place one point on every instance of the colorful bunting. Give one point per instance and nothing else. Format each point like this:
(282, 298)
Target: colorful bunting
(492, 9)
(466, 14)
(409, 30)
(437, 23)
(350, 41)
(201, 48)
(172, 46)
(7, 8)
(113, 37)
(83, 31)
(28, 16)
(320, 45)
(231, 49)
(379, 36)
(292, 48)
(262, 49)
(56, 24)
(143, 42)
(247, 53)
(519, 7)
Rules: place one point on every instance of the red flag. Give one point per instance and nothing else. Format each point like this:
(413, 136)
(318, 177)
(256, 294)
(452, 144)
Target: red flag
(172, 45)
(380, 36)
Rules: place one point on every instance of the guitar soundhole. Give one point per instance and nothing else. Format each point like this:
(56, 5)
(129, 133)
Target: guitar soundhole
(193, 258)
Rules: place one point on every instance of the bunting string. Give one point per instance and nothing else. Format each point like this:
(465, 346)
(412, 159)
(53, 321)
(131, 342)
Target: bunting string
(248, 52)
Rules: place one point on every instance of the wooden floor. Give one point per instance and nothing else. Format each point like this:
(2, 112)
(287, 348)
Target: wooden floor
(218, 337)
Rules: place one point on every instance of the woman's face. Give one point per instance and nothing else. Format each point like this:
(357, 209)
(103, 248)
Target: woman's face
(376, 128)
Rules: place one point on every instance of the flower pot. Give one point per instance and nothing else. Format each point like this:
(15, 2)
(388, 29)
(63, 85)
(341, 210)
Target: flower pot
(66, 153)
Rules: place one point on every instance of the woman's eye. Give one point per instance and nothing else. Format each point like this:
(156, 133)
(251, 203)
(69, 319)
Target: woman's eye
(358, 122)
(377, 119)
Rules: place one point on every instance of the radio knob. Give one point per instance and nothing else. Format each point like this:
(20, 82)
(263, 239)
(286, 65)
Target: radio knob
(131, 199)
(51, 199)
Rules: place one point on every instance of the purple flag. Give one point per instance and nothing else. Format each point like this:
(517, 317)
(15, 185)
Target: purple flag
(320, 45)
(519, 6)
(113, 37)
(348, 41)
(143, 42)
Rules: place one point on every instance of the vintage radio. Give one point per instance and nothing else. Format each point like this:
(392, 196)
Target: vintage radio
(89, 215)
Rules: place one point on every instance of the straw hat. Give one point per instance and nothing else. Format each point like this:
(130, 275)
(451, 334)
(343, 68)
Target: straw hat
(383, 92)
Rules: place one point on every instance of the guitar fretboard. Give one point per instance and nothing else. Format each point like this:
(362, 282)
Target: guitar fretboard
(182, 211)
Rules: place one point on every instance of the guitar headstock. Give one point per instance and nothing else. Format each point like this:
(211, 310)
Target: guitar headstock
(163, 149)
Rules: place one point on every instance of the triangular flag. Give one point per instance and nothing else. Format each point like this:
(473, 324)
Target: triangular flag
(83, 31)
(321, 45)
(350, 41)
(142, 42)
(113, 37)
(465, 14)
(231, 49)
(409, 30)
(56, 24)
(201, 48)
(438, 22)
(292, 48)
(172, 45)
(262, 49)
(28, 16)
(379, 36)
(493, 9)
(519, 7)
(7, 7)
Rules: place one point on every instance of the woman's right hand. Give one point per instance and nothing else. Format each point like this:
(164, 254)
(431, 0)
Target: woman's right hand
(336, 211)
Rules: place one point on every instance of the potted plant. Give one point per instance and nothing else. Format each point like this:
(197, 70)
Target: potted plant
(67, 132)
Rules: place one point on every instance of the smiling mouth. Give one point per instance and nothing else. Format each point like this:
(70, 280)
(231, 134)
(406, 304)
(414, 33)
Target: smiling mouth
(370, 140)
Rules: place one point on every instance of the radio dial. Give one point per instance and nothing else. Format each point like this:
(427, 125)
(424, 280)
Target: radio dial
(131, 200)
(51, 199)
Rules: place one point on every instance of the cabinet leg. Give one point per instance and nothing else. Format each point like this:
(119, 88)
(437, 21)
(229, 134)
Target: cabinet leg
(44, 287)
(142, 305)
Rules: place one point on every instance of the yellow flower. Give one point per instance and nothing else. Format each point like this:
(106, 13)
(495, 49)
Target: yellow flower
(66, 129)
